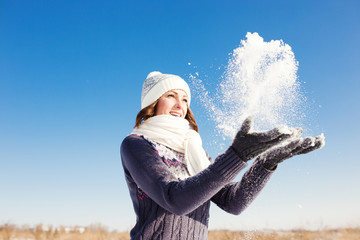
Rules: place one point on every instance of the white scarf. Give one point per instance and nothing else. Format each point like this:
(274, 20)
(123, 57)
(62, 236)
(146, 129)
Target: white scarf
(176, 133)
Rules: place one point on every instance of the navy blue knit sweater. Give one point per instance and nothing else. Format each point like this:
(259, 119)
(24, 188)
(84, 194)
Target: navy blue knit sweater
(170, 204)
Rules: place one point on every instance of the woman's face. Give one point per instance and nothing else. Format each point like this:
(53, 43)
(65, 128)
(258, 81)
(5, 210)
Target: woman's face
(173, 102)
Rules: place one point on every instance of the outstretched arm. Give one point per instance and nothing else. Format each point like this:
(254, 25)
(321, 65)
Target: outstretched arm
(235, 197)
(145, 167)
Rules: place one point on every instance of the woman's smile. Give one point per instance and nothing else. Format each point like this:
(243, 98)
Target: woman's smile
(174, 103)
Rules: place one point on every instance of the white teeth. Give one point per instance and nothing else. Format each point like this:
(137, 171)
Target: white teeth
(175, 114)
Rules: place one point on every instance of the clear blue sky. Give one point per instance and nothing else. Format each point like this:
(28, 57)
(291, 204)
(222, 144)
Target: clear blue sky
(70, 82)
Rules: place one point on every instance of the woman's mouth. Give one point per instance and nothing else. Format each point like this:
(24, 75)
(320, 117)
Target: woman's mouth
(175, 114)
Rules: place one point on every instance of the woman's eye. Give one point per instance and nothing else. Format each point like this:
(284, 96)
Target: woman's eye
(185, 100)
(170, 95)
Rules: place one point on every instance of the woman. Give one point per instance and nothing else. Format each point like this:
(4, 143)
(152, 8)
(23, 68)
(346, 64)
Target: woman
(170, 177)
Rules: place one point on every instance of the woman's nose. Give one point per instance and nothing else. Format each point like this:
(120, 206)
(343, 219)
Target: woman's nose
(178, 103)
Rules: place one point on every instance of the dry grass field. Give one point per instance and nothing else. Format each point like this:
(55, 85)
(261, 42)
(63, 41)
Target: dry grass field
(99, 232)
(334, 234)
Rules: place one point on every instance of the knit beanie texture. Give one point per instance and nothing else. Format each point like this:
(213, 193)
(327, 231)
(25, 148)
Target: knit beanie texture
(157, 83)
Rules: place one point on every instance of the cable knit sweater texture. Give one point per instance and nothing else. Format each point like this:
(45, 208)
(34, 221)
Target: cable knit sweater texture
(171, 204)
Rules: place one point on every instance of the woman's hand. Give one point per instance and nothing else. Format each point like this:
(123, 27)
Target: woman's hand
(271, 158)
(248, 144)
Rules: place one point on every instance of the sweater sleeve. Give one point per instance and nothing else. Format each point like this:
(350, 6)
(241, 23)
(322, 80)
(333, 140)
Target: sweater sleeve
(145, 167)
(235, 197)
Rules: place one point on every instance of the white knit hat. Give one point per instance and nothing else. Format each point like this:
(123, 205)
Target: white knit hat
(157, 83)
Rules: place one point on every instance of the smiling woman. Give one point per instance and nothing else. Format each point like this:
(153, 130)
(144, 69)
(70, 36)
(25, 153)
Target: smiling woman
(170, 177)
(175, 98)
(173, 102)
